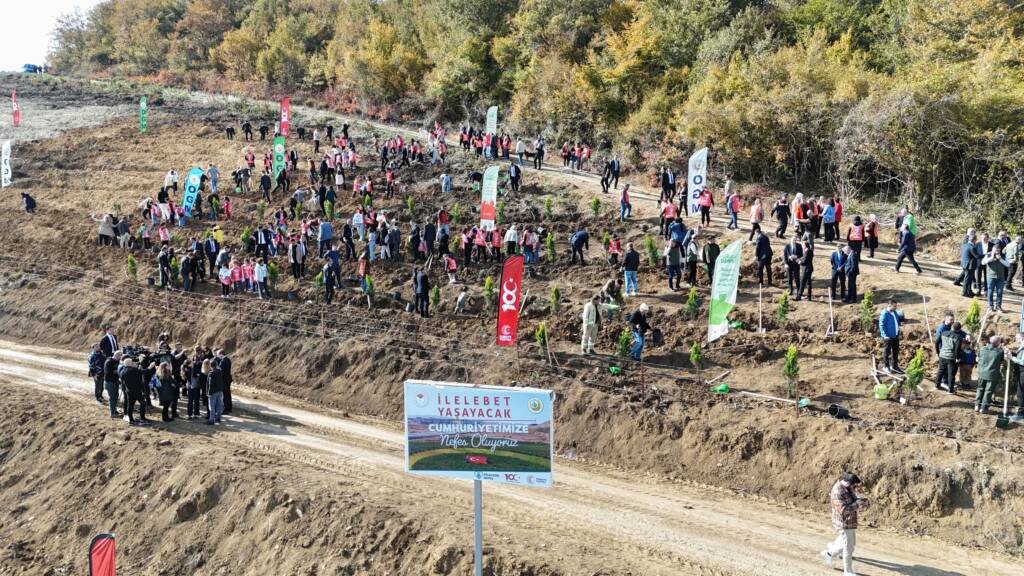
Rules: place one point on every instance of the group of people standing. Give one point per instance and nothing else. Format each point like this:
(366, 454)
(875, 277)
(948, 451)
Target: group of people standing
(135, 375)
(989, 265)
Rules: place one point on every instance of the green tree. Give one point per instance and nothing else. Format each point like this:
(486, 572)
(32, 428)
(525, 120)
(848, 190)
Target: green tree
(595, 206)
(624, 343)
(791, 370)
(697, 361)
(541, 335)
(867, 313)
(556, 299)
(549, 247)
(914, 375)
(653, 256)
(435, 297)
(782, 310)
(489, 292)
(548, 208)
(692, 306)
(133, 268)
(972, 321)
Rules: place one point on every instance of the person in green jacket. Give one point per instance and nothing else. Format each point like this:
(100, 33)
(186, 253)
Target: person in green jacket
(990, 364)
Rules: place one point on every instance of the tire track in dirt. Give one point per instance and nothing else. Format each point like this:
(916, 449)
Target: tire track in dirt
(653, 527)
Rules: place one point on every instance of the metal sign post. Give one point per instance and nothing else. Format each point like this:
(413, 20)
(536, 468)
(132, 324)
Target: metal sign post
(478, 554)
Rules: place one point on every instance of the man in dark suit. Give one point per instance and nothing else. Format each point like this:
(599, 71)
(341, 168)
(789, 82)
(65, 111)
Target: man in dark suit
(968, 264)
(838, 260)
(793, 253)
(108, 344)
(421, 287)
(211, 248)
(763, 253)
(224, 362)
(852, 268)
(807, 266)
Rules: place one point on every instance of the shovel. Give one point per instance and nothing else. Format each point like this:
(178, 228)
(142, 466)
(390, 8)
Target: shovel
(1003, 420)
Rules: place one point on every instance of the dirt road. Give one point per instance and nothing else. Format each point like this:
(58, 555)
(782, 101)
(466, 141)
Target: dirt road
(591, 521)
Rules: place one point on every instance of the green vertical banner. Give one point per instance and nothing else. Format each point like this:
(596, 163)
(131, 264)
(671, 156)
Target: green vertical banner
(492, 120)
(143, 115)
(278, 155)
(723, 290)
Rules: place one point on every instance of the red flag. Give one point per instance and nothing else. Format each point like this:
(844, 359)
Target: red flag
(508, 300)
(285, 116)
(17, 110)
(476, 459)
(102, 556)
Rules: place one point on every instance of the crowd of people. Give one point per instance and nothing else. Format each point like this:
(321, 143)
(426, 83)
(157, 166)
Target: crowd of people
(136, 375)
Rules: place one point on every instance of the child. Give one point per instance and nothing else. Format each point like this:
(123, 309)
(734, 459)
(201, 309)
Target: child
(225, 281)
(236, 276)
(460, 302)
(450, 266)
(165, 236)
(144, 234)
(227, 208)
(248, 275)
(614, 250)
(260, 274)
(967, 361)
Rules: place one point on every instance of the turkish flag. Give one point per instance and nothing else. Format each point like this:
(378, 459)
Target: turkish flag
(286, 115)
(508, 300)
(476, 459)
(17, 110)
(103, 556)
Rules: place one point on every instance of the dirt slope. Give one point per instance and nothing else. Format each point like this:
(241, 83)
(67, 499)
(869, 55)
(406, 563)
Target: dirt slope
(312, 483)
(934, 468)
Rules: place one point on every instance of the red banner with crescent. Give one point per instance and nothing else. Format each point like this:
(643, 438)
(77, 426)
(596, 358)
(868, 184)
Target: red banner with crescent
(17, 109)
(509, 293)
(286, 116)
(103, 556)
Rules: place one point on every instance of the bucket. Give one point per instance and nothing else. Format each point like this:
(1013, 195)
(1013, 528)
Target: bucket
(409, 307)
(837, 411)
(881, 392)
(1002, 422)
(721, 389)
(615, 370)
(657, 338)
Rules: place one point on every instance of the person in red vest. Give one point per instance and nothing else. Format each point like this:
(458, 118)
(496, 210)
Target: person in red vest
(855, 235)
(706, 201)
(871, 234)
(668, 215)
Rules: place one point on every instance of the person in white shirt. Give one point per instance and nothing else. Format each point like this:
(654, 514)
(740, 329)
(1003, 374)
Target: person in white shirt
(589, 317)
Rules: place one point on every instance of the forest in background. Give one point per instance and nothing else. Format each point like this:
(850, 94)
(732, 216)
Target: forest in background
(916, 100)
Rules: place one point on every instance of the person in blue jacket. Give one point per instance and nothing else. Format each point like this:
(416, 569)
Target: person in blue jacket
(889, 329)
(838, 260)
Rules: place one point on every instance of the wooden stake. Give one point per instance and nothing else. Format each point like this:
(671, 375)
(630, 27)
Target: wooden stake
(323, 329)
(831, 317)
(760, 310)
(927, 321)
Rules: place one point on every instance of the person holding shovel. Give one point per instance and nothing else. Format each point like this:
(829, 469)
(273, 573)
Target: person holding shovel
(845, 506)
(1018, 359)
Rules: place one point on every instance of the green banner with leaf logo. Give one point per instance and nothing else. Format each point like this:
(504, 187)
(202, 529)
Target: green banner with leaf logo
(723, 290)
(143, 115)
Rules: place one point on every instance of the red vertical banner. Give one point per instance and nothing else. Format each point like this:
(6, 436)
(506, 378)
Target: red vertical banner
(508, 300)
(286, 114)
(103, 556)
(17, 110)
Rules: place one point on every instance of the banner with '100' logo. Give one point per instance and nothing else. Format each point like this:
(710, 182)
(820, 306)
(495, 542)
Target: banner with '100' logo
(192, 181)
(278, 155)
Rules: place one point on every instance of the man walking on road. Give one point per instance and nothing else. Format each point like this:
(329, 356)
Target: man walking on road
(845, 505)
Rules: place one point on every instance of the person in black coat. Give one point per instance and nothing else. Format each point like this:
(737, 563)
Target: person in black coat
(108, 344)
(132, 380)
(763, 253)
(793, 253)
(164, 262)
(852, 268)
(421, 288)
(30, 203)
(580, 241)
(807, 270)
(112, 382)
(908, 245)
(224, 363)
(968, 264)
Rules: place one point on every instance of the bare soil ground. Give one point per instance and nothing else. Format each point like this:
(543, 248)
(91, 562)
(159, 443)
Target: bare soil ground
(933, 468)
(310, 492)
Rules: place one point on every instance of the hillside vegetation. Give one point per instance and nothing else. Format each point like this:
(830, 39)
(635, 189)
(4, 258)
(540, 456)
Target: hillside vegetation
(921, 100)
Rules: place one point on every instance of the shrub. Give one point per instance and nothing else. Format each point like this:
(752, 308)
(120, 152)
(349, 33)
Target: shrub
(867, 312)
(624, 343)
(456, 214)
(548, 208)
(692, 305)
(549, 247)
(606, 241)
(972, 321)
(297, 212)
(501, 213)
(791, 370)
(541, 335)
(246, 236)
(261, 209)
(595, 206)
(652, 251)
(435, 297)
(133, 267)
(328, 209)
(175, 270)
(411, 205)
(556, 297)
(489, 292)
(914, 375)
(272, 272)
(782, 311)
(696, 356)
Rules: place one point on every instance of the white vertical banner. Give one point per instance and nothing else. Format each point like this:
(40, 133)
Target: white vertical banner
(492, 120)
(697, 180)
(489, 198)
(6, 163)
